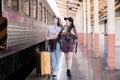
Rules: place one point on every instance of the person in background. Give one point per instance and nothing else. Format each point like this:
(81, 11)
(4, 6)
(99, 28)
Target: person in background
(69, 35)
(54, 46)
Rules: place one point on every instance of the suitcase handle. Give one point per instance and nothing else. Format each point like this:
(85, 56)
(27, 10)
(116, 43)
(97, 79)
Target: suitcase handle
(46, 45)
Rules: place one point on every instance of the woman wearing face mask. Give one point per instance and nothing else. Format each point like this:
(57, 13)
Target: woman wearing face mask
(54, 46)
(70, 35)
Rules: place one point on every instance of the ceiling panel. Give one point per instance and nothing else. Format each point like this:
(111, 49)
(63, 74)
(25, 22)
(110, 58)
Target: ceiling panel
(67, 7)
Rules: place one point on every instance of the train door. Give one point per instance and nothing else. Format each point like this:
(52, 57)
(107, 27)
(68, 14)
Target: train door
(0, 8)
(3, 30)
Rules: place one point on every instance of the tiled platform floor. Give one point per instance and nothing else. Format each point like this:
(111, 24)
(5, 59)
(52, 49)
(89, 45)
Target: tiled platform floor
(84, 67)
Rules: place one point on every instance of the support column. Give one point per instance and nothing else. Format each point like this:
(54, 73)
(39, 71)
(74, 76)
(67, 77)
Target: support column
(96, 28)
(84, 13)
(82, 40)
(81, 25)
(89, 25)
(111, 34)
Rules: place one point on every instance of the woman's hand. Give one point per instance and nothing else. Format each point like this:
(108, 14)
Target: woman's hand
(64, 31)
(47, 38)
(53, 37)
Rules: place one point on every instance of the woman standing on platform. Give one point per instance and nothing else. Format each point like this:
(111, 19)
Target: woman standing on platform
(69, 35)
(54, 46)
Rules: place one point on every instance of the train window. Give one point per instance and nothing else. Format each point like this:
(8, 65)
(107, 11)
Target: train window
(34, 8)
(50, 20)
(13, 4)
(44, 14)
(47, 17)
(40, 15)
(37, 9)
(26, 7)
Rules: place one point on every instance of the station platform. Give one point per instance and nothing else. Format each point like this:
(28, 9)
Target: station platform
(84, 67)
(24, 23)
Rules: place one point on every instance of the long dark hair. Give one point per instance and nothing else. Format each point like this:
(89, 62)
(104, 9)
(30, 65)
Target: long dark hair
(58, 24)
(70, 19)
(72, 26)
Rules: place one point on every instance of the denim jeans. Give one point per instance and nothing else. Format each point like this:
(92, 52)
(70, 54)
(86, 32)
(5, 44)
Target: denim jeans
(58, 53)
(55, 56)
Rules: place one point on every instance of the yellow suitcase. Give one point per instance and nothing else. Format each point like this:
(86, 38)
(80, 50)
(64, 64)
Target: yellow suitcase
(43, 63)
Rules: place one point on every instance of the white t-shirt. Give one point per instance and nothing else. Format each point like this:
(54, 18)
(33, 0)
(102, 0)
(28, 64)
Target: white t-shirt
(52, 30)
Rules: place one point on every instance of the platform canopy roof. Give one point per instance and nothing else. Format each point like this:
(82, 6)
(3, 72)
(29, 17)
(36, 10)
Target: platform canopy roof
(70, 7)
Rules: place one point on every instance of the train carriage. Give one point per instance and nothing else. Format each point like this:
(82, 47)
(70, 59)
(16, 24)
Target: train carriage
(26, 23)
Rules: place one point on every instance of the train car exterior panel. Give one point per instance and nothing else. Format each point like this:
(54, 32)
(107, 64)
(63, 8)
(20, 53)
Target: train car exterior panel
(27, 23)
(24, 28)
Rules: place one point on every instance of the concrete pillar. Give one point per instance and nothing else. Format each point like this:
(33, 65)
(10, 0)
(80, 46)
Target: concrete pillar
(82, 25)
(89, 24)
(79, 24)
(111, 34)
(84, 14)
(96, 28)
(81, 29)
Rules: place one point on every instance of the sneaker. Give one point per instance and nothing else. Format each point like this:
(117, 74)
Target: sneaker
(54, 75)
(69, 75)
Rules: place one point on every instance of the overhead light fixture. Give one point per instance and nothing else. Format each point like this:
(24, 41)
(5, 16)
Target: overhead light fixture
(80, 0)
(78, 4)
(69, 5)
(70, 8)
